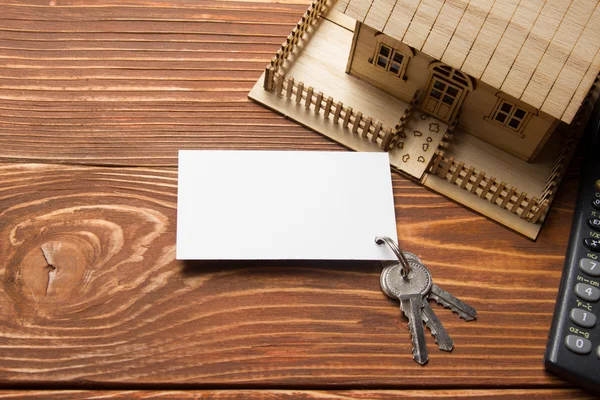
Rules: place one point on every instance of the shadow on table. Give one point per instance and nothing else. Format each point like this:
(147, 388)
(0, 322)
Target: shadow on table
(197, 267)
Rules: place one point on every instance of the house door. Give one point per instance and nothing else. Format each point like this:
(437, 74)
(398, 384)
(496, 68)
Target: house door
(442, 98)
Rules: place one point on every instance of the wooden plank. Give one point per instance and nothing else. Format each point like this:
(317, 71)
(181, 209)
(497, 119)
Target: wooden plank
(466, 32)
(478, 180)
(131, 83)
(289, 88)
(482, 206)
(366, 127)
(341, 5)
(535, 46)
(400, 18)
(575, 67)
(558, 51)
(511, 42)
(487, 187)
(284, 394)
(444, 172)
(379, 13)
(457, 172)
(376, 131)
(518, 203)
(328, 107)
(423, 20)
(116, 310)
(309, 96)
(582, 89)
(508, 197)
(444, 27)
(318, 102)
(299, 91)
(358, 9)
(525, 212)
(110, 235)
(497, 192)
(347, 115)
(356, 123)
(467, 178)
(487, 40)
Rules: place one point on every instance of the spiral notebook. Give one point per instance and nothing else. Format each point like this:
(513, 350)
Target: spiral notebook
(284, 205)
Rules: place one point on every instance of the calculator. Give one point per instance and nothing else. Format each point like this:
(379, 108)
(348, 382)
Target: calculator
(573, 349)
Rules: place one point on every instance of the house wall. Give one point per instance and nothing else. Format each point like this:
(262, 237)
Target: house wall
(365, 48)
(477, 105)
(474, 118)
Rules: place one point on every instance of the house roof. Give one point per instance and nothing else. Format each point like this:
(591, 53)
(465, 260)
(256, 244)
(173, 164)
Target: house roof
(543, 52)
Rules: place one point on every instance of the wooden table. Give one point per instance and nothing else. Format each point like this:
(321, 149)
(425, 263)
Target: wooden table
(96, 97)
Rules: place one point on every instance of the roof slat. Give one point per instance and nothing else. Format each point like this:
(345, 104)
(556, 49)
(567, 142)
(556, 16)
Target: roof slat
(582, 89)
(379, 13)
(490, 34)
(399, 20)
(575, 68)
(511, 42)
(357, 9)
(534, 47)
(341, 5)
(556, 55)
(444, 27)
(539, 51)
(422, 22)
(466, 32)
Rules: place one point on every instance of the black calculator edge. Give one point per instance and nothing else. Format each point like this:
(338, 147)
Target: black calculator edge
(590, 173)
(561, 311)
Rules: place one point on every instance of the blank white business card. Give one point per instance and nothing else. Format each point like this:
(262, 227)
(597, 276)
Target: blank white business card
(284, 205)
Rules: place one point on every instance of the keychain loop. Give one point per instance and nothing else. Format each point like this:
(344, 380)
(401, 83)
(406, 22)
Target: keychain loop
(406, 268)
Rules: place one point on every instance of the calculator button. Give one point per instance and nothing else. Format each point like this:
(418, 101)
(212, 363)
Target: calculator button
(592, 244)
(587, 292)
(583, 318)
(594, 223)
(590, 267)
(596, 204)
(578, 344)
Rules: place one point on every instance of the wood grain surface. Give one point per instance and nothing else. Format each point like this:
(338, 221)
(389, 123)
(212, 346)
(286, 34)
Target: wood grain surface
(96, 97)
(97, 82)
(91, 292)
(491, 394)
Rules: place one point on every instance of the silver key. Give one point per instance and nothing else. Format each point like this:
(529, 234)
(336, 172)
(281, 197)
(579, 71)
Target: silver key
(410, 291)
(410, 266)
(431, 320)
(412, 257)
(448, 300)
(436, 328)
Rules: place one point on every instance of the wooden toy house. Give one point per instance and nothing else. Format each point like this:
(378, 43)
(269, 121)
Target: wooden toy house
(480, 100)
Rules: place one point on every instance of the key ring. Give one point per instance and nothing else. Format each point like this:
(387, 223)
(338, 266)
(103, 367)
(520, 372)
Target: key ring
(406, 268)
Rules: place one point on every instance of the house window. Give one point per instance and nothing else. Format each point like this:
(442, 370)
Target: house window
(389, 59)
(446, 91)
(510, 116)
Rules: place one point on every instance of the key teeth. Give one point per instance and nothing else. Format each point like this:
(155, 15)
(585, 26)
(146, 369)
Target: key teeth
(434, 333)
(449, 306)
(441, 346)
(418, 357)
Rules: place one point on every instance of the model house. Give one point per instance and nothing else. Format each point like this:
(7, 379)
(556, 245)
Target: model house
(482, 101)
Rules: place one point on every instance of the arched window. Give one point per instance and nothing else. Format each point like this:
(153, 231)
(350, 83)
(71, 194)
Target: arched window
(452, 74)
(445, 92)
